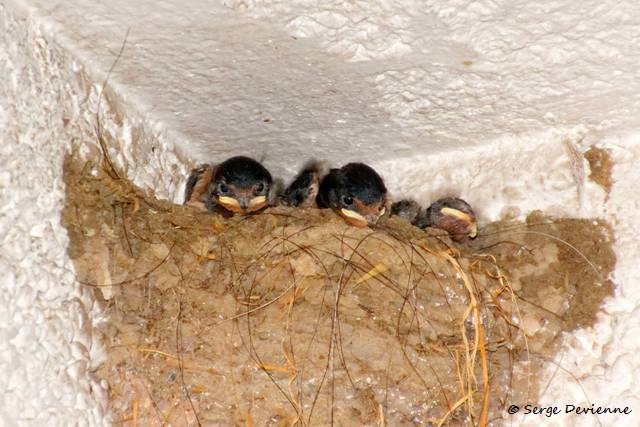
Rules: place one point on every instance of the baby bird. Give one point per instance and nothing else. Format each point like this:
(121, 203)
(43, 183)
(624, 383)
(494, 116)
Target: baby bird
(355, 191)
(302, 192)
(406, 209)
(237, 185)
(451, 214)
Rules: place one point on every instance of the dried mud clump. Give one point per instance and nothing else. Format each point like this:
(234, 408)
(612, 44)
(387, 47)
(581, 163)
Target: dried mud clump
(601, 166)
(292, 317)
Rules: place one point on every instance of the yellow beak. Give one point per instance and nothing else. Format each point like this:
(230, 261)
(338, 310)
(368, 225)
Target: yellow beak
(354, 217)
(463, 217)
(257, 203)
(229, 203)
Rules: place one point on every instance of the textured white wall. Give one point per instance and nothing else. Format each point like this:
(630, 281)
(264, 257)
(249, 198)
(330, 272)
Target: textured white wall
(47, 348)
(483, 99)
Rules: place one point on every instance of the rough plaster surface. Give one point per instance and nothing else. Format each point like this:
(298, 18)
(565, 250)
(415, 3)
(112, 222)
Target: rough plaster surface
(46, 345)
(491, 100)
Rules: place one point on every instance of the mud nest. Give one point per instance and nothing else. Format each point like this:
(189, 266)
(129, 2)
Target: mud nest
(292, 317)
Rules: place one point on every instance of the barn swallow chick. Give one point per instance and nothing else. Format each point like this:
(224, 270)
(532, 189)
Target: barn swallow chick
(237, 185)
(451, 214)
(406, 209)
(302, 192)
(356, 192)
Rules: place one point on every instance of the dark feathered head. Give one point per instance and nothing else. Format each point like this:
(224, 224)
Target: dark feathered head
(241, 184)
(356, 192)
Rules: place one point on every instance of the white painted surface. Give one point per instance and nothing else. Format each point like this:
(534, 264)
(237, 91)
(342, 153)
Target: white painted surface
(47, 348)
(485, 99)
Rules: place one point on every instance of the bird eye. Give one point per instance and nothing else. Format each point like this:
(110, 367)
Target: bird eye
(223, 188)
(348, 201)
(259, 188)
